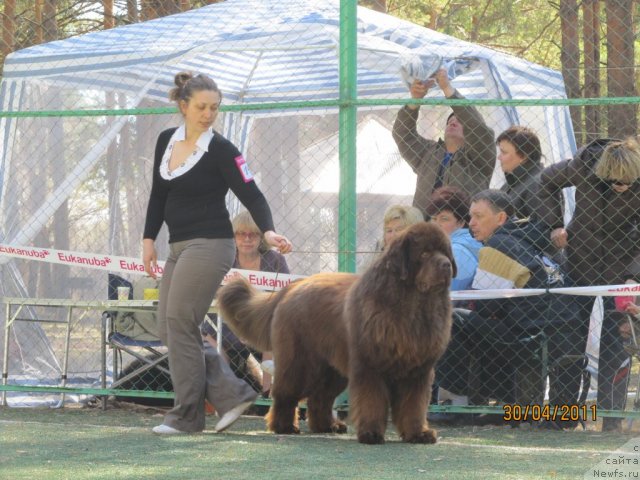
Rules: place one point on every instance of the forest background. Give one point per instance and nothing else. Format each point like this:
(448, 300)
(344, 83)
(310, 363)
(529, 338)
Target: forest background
(592, 42)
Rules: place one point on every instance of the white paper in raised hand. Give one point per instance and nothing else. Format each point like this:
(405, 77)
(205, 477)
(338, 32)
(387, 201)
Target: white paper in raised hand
(419, 67)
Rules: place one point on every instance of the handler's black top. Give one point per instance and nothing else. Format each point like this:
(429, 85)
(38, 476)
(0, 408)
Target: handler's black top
(193, 204)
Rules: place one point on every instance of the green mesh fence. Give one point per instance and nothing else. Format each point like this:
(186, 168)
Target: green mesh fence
(343, 114)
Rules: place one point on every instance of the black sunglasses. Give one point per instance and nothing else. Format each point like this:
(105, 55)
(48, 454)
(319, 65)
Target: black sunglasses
(618, 183)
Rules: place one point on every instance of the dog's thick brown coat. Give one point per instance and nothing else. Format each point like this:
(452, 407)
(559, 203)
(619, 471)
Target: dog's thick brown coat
(384, 331)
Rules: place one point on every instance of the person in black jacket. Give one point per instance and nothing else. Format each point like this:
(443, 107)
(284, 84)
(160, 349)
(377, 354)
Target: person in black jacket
(520, 157)
(251, 254)
(520, 154)
(194, 168)
(503, 335)
(602, 239)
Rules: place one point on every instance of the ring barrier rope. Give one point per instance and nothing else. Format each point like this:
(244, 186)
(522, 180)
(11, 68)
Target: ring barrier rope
(275, 281)
(269, 281)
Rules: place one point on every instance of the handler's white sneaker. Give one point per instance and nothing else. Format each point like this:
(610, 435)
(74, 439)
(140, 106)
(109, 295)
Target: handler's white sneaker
(167, 430)
(231, 416)
(268, 367)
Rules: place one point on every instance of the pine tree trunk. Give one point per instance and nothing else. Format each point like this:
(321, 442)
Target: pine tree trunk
(8, 27)
(379, 6)
(622, 119)
(132, 11)
(8, 31)
(57, 170)
(159, 8)
(39, 6)
(109, 19)
(591, 39)
(49, 25)
(570, 59)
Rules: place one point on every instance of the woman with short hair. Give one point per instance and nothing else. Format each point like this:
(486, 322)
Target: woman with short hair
(520, 154)
(396, 219)
(449, 208)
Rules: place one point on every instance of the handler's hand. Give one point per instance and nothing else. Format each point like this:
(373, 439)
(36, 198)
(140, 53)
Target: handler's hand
(559, 237)
(149, 257)
(281, 242)
(632, 308)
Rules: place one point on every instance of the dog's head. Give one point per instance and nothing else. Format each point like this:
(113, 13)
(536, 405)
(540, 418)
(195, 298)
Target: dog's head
(422, 256)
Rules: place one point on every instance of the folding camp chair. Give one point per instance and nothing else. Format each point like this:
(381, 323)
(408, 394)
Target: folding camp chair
(619, 336)
(632, 348)
(151, 354)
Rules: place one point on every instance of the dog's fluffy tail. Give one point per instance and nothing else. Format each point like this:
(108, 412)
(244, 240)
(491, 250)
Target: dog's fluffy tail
(248, 312)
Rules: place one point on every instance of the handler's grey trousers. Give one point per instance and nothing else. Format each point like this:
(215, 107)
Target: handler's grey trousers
(192, 275)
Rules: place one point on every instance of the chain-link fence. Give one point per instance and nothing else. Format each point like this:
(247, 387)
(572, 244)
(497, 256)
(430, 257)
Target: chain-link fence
(80, 122)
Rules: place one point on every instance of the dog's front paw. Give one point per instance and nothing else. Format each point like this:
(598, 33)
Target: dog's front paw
(426, 436)
(339, 427)
(287, 430)
(371, 438)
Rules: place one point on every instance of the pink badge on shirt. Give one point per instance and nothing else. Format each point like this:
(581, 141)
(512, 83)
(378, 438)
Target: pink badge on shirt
(242, 165)
(622, 302)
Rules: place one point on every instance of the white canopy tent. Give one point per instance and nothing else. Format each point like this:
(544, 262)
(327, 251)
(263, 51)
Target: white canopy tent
(258, 51)
(81, 182)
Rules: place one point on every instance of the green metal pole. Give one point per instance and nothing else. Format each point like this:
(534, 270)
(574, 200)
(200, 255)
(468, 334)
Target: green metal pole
(347, 149)
(347, 136)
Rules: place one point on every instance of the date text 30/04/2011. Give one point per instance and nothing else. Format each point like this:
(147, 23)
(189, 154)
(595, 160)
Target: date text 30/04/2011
(553, 413)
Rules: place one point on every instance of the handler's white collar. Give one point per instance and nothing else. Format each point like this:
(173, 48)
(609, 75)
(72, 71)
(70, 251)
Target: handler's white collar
(202, 146)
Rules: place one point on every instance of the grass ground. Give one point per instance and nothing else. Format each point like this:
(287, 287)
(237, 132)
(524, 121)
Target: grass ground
(88, 443)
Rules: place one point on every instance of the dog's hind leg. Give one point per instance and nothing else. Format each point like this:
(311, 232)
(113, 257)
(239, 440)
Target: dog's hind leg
(320, 404)
(283, 415)
(409, 409)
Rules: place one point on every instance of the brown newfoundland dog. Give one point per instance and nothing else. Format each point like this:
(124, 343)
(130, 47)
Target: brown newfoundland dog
(384, 331)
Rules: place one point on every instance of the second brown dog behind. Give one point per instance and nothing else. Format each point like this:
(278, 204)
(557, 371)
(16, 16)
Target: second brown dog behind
(384, 331)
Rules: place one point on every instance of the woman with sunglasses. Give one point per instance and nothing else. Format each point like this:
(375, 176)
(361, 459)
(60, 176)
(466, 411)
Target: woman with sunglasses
(252, 252)
(603, 236)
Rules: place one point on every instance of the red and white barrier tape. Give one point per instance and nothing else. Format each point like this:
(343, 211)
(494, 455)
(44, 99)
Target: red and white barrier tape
(276, 281)
(594, 291)
(112, 263)
(495, 293)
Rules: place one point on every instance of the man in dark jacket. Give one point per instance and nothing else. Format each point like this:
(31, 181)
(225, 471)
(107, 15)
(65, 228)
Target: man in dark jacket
(465, 159)
(510, 260)
(504, 336)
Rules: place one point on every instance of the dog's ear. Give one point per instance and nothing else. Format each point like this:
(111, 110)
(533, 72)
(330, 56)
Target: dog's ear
(397, 258)
(410, 250)
(405, 259)
(454, 267)
(444, 245)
